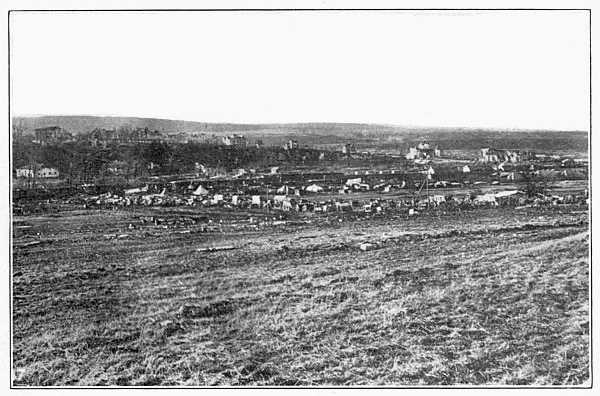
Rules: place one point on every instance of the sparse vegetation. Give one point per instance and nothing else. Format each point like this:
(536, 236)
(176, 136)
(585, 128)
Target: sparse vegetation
(487, 296)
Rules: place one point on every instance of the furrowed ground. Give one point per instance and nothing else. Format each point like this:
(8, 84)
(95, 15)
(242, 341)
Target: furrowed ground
(490, 296)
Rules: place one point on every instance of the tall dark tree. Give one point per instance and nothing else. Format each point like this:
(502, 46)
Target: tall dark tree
(158, 153)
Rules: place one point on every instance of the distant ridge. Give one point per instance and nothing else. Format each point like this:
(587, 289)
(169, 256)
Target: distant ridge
(82, 123)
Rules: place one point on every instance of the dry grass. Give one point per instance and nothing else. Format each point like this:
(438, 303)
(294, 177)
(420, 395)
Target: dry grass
(442, 300)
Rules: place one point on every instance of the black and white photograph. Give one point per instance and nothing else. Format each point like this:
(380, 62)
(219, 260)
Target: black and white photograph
(298, 198)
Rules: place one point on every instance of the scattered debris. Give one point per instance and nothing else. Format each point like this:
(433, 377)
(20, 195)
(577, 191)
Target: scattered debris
(32, 243)
(170, 327)
(215, 248)
(367, 246)
(217, 308)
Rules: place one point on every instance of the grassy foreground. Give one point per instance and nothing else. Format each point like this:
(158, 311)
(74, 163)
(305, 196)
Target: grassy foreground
(483, 298)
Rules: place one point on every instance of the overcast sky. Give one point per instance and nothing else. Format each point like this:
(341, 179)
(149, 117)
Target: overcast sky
(485, 69)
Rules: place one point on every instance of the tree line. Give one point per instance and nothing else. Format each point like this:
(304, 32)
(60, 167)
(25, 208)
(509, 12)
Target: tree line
(82, 162)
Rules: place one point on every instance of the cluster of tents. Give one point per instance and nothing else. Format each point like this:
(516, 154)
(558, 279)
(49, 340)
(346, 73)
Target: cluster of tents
(285, 201)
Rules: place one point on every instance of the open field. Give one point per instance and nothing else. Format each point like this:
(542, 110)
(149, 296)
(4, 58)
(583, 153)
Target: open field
(486, 296)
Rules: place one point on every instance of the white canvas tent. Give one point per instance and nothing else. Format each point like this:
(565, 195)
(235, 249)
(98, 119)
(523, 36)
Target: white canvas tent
(200, 191)
(150, 196)
(314, 188)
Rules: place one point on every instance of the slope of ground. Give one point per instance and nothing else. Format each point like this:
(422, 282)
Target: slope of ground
(493, 297)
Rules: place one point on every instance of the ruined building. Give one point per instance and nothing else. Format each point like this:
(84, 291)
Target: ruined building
(51, 135)
(423, 151)
(492, 155)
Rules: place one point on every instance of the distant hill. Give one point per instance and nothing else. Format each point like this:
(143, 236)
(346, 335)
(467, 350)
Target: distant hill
(81, 124)
(331, 133)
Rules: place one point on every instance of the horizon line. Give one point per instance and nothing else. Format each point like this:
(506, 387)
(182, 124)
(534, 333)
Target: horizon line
(384, 124)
